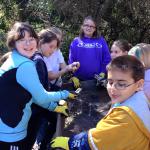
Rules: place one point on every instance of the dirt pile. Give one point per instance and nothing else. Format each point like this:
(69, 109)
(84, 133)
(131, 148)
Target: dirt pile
(91, 105)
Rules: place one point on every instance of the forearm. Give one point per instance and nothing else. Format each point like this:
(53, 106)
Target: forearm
(50, 106)
(55, 75)
(62, 65)
(33, 86)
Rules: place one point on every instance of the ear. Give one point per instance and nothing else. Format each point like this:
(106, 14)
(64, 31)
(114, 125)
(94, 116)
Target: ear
(140, 84)
(39, 44)
(82, 27)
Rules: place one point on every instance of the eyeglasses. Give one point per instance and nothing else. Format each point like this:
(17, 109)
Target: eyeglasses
(119, 86)
(24, 41)
(88, 26)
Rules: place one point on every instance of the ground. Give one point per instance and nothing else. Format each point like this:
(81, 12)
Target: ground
(90, 106)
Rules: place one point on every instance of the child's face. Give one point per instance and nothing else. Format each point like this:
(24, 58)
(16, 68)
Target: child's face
(27, 45)
(48, 48)
(121, 85)
(88, 28)
(116, 51)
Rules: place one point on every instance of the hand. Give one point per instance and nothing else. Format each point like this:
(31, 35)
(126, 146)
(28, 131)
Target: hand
(102, 75)
(72, 96)
(75, 81)
(62, 108)
(60, 142)
(73, 67)
(101, 79)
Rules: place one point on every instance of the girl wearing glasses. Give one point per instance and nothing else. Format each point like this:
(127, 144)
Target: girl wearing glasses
(20, 87)
(142, 52)
(91, 50)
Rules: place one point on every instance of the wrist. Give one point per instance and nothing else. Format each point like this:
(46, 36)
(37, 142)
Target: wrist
(52, 106)
(63, 71)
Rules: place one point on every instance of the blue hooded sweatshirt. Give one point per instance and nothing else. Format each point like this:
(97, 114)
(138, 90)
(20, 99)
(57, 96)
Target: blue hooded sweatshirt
(19, 88)
(93, 55)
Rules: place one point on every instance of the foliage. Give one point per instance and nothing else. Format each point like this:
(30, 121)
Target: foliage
(115, 18)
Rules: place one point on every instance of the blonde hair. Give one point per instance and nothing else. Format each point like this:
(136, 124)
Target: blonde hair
(142, 51)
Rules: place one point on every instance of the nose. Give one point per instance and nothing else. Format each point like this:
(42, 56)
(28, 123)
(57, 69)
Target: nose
(112, 54)
(113, 90)
(112, 87)
(27, 42)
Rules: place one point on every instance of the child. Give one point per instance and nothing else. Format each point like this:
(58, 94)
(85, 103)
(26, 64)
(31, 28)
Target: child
(127, 124)
(90, 50)
(20, 87)
(43, 121)
(142, 52)
(119, 48)
(56, 65)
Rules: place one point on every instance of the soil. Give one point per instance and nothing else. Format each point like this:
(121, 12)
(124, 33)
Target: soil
(90, 106)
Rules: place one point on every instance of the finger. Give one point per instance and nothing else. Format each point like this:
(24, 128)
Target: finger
(52, 142)
(76, 85)
(66, 112)
(75, 96)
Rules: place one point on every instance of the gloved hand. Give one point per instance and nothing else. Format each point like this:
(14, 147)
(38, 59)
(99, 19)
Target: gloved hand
(102, 75)
(72, 96)
(63, 109)
(100, 78)
(75, 81)
(60, 142)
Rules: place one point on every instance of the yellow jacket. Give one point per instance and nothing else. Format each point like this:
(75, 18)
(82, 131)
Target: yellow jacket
(120, 129)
